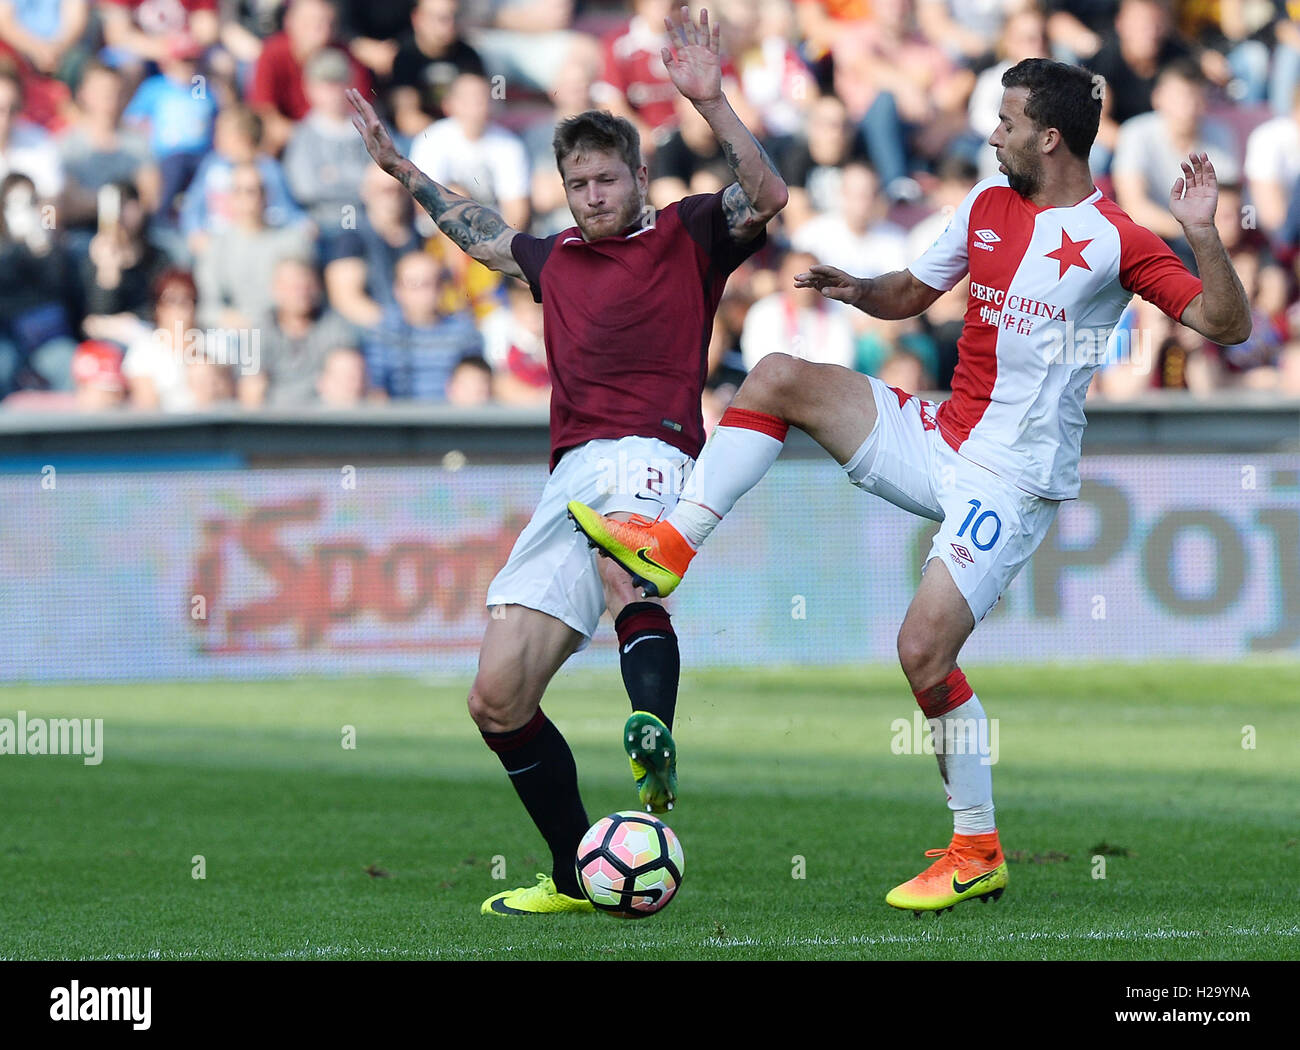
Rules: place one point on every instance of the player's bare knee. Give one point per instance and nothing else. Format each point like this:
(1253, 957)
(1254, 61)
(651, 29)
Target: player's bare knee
(497, 706)
(772, 384)
(922, 660)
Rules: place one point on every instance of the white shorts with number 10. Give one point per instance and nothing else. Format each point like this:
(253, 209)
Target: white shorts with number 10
(989, 526)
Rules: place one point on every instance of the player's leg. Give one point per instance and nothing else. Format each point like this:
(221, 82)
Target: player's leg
(937, 624)
(988, 532)
(835, 406)
(522, 649)
(651, 664)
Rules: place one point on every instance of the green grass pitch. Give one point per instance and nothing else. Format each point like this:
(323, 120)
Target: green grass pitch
(385, 851)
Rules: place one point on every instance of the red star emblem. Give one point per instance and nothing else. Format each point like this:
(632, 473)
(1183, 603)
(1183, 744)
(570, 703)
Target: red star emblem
(1070, 253)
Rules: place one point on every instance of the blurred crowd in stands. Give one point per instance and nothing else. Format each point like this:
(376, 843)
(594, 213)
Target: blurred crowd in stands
(188, 216)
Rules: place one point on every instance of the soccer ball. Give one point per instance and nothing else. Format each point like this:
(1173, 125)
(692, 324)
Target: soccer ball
(630, 864)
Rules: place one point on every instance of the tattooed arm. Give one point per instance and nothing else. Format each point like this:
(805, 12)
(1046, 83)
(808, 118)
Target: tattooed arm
(695, 67)
(477, 230)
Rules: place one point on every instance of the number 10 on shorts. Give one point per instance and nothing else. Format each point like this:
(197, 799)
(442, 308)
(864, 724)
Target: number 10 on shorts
(982, 533)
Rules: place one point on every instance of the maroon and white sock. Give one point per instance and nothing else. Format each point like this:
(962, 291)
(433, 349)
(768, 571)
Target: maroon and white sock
(743, 447)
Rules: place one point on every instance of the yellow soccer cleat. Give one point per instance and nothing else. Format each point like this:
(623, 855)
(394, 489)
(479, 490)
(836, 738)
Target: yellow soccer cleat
(540, 899)
(971, 868)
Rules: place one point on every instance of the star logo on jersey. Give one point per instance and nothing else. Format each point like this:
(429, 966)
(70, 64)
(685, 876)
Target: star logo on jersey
(1070, 253)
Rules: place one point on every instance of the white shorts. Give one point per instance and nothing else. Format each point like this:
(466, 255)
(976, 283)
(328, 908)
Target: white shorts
(552, 568)
(990, 528)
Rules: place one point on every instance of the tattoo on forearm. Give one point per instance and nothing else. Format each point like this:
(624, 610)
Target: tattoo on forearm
(464, 221)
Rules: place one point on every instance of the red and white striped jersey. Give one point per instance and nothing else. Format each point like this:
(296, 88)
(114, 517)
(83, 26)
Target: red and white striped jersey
(1047, 288)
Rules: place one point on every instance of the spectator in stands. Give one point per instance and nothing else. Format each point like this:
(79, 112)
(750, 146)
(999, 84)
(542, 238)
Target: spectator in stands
(772, 76)
(515, 349)
(412, 354)
(797, 321)
(97, 384)
(277, 93)
(1024, 35)
(527, 41)
(36, 330)
(296, 338)
(968, 30)
(1077, 28)
(467, 149)
(326, 159)
(96, 152)
(1133, 54)
(856, 238)
(634, 82)
(1273, 166)
(1284, 78)
(122, 265)
(155, 361)
(430, 55)
(47, 34)
(570, 94)
(26, 148)
(1151, 148)
(209, 203)
(245, 24)
(690, 150)
(820, 24)
(371, 28)
(813, 168)
(361, 266)
(907, 97)
(470, 384)
(177, 118)
(234, 274)
(342, 379)
(140, 31)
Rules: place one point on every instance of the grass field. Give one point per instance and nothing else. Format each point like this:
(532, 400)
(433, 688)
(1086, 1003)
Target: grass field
(313, 851)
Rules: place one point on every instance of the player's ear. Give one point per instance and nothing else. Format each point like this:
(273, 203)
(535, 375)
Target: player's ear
(643, 179)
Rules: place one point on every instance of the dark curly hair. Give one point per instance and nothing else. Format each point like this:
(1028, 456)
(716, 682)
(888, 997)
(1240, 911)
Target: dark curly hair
(1067, 98)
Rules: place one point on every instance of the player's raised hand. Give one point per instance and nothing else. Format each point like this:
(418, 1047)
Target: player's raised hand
(1195, 195)
(694, 58)
(373, 132)
(832, 283)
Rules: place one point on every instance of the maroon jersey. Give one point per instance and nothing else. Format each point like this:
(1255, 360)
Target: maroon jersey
(628, 320)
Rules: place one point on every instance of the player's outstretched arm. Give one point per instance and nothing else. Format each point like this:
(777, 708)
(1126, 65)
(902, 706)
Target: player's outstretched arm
(479, 231)
(891, 296)
(695, 67)
(1222, 311)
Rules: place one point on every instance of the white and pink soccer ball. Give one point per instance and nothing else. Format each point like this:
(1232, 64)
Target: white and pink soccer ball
(630, 864)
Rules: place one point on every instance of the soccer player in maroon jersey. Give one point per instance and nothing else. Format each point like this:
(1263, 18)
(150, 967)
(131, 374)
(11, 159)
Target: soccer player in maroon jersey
(1053, 264)
(628, 297)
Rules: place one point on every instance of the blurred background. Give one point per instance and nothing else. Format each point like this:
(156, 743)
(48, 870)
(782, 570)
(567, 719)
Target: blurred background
(258, 417)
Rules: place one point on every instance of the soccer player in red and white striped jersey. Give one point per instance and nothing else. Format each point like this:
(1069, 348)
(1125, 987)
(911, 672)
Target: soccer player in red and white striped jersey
(1052, 265)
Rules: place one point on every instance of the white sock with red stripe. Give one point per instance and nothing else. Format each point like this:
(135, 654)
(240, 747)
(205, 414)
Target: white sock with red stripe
(963, 745)
(742, 449)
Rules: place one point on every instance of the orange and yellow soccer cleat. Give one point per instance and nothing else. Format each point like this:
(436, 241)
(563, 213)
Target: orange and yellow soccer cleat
(972, 867)
(654, 554)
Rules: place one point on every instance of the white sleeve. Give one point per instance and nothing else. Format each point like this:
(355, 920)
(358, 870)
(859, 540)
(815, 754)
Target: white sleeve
(947, 260)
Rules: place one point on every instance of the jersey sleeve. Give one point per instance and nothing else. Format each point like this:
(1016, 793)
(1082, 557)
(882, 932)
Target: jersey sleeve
(531, 254)
(947, 260)
(1150, 268)
(705, 221)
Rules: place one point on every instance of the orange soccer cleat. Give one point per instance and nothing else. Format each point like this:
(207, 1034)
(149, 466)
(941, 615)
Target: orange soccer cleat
(971, 867)
(654, 553)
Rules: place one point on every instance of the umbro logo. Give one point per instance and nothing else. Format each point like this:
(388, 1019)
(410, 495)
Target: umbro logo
(986, 239)
(962, 553)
